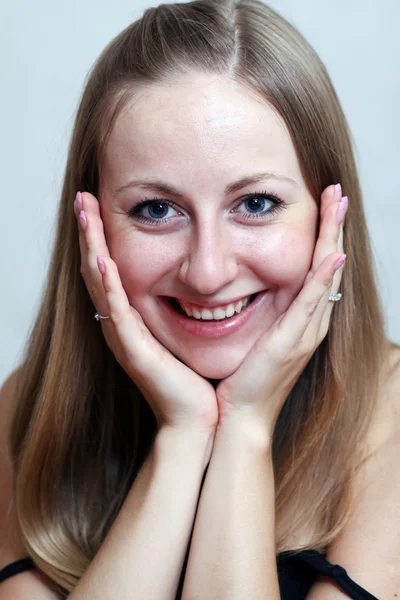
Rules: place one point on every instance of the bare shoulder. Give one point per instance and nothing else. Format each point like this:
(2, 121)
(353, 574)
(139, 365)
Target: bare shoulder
(391, 386)
(31, 584)
(385, 425)
(7, 409)
(11, 547)
(393, 366)
(7, 401)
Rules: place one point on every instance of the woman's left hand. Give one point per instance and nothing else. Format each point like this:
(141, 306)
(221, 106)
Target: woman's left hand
(257, 390)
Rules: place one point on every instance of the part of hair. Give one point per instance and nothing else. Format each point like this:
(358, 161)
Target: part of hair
(82, 429)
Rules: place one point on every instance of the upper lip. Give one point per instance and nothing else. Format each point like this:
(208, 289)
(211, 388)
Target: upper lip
(210, 304)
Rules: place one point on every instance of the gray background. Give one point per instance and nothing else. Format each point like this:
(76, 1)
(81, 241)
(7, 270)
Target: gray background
(48, 46)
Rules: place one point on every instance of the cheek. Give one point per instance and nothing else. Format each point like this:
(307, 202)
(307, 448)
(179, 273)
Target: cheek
(281, 257)
(286, 256)
(141, 262)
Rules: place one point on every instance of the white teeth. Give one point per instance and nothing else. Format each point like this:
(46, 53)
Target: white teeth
(217, 314)
(238, 306)
(206, 314)
(189, 311)
(230, 310)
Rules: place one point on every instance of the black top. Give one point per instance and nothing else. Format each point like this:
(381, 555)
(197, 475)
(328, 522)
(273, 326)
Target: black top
(296, 574)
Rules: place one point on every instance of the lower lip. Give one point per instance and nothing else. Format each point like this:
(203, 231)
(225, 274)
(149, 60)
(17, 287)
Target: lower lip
(214, 329)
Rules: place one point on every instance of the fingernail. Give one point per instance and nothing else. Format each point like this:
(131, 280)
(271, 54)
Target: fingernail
(338, 192)
(82, 219)
(79, 201)
(342, 209)
(340, 261)
(101, 265)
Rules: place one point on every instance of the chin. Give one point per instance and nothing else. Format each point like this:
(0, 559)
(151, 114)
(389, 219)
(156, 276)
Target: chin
(212, 372)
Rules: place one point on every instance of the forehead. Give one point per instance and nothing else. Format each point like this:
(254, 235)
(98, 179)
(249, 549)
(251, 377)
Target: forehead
(201, 127)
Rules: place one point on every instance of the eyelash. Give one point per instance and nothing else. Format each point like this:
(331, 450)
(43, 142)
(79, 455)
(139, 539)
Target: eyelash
(277, 206)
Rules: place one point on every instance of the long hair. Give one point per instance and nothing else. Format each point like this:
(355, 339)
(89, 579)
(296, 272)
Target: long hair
(82, 430)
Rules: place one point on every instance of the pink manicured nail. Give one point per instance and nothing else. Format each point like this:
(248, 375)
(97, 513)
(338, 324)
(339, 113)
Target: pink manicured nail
(338, 191)
(101, 265)
(339, 262)
(82, 219)
(342, 209)
(79, 201)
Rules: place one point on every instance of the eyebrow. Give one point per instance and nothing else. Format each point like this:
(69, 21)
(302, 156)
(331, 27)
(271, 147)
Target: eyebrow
(164, 188)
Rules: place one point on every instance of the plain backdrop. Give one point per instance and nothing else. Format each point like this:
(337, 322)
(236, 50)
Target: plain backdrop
(47, 48)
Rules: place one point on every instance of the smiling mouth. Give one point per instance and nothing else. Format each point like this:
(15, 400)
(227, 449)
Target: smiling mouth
(175, 304)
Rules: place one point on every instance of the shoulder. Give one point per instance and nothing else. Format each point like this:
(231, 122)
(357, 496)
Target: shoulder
(385, 423)
(7, 410)
(392, 381)
(11, 547)
(382, 448)
(7, 395)
(391, 368)
(33, 584)
(368, 546)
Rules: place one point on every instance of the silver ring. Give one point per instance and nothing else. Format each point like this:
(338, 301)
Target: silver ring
(98, 316)
(335, 298)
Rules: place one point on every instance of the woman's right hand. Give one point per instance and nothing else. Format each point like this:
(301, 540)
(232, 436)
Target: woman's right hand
(179, 398)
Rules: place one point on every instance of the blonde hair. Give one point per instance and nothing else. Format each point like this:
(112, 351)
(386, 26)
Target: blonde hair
(82, 430)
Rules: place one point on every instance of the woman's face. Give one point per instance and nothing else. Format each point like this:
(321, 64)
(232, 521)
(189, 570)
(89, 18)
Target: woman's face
(207, 244)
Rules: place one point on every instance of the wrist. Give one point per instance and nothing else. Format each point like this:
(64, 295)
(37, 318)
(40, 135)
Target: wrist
(186, 444)
(245, 429)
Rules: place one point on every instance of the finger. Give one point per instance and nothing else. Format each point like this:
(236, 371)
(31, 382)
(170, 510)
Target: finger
(125, 322)
(94, 235)
(324, 313)
(295, 327)
(117, 301)
(330, 239)
(81, 232)
(91, 242)
(329, 228)
(338, 275)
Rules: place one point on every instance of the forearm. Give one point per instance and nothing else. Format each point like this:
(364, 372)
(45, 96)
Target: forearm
(232, 553)
(143, 553)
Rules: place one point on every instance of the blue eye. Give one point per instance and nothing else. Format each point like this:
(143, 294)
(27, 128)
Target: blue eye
(261, 206)
(264, 204)
(156, 208)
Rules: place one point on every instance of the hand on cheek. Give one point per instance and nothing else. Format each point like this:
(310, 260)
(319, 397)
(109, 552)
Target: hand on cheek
(256, 392)
(133, 345)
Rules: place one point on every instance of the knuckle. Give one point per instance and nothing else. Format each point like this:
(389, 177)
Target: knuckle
(116, 318)
(107, 286)
(305, 349)
(285, 357)
(327, 280)
(310, 307)
(323, 277)
(93, 291)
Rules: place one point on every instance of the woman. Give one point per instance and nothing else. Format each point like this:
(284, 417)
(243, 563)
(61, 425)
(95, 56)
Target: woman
(227, 424)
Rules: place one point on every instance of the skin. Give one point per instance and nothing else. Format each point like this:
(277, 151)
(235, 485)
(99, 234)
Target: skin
(208, 252)
(199, 135)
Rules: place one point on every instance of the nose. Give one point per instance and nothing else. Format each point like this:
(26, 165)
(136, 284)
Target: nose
(210, 262)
